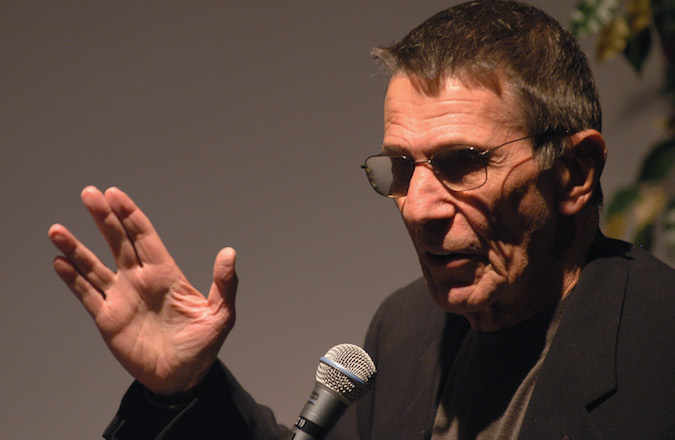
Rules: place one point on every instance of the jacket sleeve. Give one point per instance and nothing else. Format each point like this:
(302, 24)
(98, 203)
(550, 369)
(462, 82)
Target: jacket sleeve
(219, 408)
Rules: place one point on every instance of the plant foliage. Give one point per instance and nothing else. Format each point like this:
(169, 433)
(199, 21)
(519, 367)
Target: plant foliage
(643, 210)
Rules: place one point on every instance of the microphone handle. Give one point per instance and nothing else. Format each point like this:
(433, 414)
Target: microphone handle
(321, 412)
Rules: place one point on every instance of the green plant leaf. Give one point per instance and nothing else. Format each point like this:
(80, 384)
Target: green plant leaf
(659, 162)
(590, 16)
(644, 237)
(668, 233)
(623, 199)
(637, 48)
(669, 216)
(663, 13)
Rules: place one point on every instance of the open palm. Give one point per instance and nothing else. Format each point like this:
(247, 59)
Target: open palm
(159, 327)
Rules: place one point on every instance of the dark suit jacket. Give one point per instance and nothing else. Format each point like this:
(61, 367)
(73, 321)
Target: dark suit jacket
(608, 374)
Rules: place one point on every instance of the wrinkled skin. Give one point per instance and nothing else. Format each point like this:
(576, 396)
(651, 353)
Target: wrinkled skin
(485, 253)
(162, 330)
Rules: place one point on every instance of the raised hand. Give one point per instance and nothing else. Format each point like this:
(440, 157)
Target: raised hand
(159, 327)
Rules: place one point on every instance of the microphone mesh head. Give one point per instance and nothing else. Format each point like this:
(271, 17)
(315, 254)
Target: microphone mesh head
(354, 360)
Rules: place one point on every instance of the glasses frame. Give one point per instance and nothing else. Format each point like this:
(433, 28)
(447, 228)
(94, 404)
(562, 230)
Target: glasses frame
(482, 155)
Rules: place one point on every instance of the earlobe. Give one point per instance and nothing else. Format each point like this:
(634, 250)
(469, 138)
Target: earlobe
(578, 170)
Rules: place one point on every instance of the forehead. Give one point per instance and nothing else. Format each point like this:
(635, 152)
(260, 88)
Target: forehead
(457, 113)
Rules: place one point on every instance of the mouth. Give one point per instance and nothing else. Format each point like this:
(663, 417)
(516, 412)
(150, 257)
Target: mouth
(445, 257)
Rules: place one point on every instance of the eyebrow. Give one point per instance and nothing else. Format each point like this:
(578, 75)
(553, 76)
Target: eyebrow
(394, 149)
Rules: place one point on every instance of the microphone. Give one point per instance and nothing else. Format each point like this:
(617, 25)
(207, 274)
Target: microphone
(344, 375)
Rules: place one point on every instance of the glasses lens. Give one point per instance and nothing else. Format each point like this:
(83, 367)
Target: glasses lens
(389, 175)
(460, 169)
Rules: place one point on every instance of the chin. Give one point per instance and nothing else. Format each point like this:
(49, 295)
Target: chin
(460, 300)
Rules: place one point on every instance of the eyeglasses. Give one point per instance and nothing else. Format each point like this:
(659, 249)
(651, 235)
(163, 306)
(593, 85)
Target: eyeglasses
(460, 168)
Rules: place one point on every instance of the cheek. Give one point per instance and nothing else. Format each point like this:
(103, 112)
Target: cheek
(516, 229)
(408, 225)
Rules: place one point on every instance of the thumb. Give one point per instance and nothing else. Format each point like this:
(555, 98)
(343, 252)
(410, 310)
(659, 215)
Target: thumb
(224, 287)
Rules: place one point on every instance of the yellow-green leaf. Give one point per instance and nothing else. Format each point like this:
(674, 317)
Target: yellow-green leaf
(638, 15)
(612, 39)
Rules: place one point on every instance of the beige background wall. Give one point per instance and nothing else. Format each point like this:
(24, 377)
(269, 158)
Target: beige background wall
(230, 123)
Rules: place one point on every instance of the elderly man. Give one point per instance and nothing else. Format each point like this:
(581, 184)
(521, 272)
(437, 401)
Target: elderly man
(537, 326)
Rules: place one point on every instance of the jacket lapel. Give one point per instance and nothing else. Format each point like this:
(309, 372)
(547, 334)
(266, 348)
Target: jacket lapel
(579, 372)
(434, 367)
(418, 343)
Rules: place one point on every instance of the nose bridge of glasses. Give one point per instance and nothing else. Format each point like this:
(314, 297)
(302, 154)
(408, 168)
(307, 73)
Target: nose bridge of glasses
(426, 162)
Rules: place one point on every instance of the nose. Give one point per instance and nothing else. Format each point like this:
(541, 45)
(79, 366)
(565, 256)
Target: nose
(427, 199)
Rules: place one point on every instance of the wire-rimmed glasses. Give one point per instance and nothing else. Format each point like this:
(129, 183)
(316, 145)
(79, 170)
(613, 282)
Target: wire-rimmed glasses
(459, 168)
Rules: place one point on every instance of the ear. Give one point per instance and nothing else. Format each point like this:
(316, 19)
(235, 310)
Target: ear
(578, 170)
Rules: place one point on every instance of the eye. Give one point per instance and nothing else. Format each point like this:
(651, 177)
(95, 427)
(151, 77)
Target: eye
(459, 166)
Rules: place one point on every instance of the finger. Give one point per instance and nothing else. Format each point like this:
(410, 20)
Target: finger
(146, 242)
(110, 226)
(224, 287)
(92, 299)
(84, 261)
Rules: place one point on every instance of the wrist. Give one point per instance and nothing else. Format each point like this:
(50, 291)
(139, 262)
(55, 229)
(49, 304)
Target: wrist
(178, 388)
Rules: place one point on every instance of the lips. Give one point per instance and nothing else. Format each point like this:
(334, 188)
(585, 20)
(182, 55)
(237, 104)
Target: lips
(452, 258)
(451, 254)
